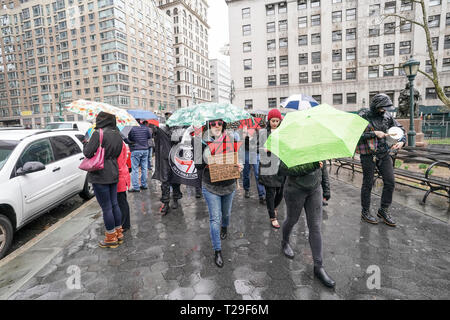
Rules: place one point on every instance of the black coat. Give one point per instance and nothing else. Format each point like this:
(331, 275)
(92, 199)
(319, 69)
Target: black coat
(163, 144)
(268, 159)
(112, 142)
(325, 182)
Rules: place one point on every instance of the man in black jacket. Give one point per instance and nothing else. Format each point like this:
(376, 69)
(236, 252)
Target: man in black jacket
(381, 121)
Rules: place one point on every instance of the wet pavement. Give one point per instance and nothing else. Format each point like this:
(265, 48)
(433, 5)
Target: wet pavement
(171, 257)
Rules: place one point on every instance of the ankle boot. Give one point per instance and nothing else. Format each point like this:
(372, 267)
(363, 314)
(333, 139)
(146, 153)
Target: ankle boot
(110, 241)
(175, 204)
(383, 213)
(223, 233)
(287, 249)
(322, 275)
(368, 217)
(164, 209)
(119, 234)
(218, 260)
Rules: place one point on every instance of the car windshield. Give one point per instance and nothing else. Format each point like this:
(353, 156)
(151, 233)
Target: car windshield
(6, 148)
(61, 125)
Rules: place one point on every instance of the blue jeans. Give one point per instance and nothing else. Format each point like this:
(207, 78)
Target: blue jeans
(150, 152)
(219, 214)
(139, 158)
(106, 195)
(252, 160)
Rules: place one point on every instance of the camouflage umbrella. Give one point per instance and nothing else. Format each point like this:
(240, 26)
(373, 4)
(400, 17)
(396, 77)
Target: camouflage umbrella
(199, 114)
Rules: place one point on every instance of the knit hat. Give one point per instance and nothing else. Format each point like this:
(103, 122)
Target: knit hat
(274, 113)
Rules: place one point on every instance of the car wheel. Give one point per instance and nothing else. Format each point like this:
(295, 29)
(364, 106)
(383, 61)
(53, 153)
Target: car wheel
(88, 191)
(6, 235)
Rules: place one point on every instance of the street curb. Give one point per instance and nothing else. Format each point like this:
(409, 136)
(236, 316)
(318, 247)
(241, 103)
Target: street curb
(18, 279)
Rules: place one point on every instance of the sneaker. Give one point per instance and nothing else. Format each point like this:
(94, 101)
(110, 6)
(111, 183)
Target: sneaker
(134, 190)
(368, 217)
(383, 213)
(144, 188)
(165, 209)
(262, 200)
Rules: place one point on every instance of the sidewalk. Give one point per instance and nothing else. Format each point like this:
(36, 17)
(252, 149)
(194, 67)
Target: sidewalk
(171, 257)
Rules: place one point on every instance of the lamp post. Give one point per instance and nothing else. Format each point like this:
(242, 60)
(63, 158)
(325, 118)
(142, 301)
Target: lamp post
(60, 107)
(232, 95)
(411, 67)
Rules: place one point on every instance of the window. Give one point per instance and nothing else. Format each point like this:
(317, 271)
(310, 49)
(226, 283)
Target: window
(303, 77)
(374, 51)
(336, 16)
(272, 102)
(351, 54)
(247, 46)
(282, 25)
(373, 71)
(434, 21)
(434, 44)
(246, 30)
(447, 91)
(282, 7)
(245, 13)
(315, 38)
(248, 104)
(337, 74)
(272, 80)
(388, 70)
(270, 27)
(248, 64)
(406, 5)
(389, 28)
(301, 4)
(447, 19)
(247, 82)
(315, 20)
(434, 3)
(303, 58)
(64, 147)
(374, 10)
(40, 151)
(284, 79)
(337, 35)
(405, 47)
(283, 42)
(447, 42)
(270, 9)
(271, 62)
(351, 98)
(303, 40)
(316, 76)
(350, 74)
(389, 7)
(271, 45)
(430, 93)
(405, 26)
(302, 22)
(428, 67)
(318, 98)
(337, 98)
(374, 32)
(337, 55)
(446, 64)
(389, 49)
(351, 34)
(315, 3)
(283, 61)
(351, 14)
(315, 57)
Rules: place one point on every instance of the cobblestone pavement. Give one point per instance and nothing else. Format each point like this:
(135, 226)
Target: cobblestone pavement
(171, 257)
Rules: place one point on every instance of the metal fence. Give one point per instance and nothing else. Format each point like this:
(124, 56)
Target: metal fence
(436, 129)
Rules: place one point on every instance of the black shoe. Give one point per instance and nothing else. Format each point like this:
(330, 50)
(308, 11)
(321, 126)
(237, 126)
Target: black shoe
(262, 200)
(368, 217)
(322, 275)
(175, 204)
(247, 194)
(383, 213)
(218, 258)
(125, 229)
(134, 190)
(324, 203)
(287, 250)
(144, 188)
(198, 195)
(164, 209)
(223, 233)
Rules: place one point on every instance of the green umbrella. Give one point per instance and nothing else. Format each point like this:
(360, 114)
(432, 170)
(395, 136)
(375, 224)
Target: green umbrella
(199, 114)
(316, 134)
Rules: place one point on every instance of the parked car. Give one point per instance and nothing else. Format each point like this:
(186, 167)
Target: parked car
(38, 171)
(82, 126)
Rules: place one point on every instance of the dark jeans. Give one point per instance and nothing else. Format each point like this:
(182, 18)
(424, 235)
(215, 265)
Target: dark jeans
(274, 196)
(106, 195)
(124, 209)
(165, 192)
(252, 160)
(386, 169)
(297, 199)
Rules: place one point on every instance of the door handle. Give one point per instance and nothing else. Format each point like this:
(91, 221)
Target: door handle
(56, 169)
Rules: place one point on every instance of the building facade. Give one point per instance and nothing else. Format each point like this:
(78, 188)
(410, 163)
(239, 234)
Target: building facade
(340, 52)
(220, 81)
(55, 52)
(190, 29)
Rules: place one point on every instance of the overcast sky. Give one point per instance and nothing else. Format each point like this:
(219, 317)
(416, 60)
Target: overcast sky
(218, 32)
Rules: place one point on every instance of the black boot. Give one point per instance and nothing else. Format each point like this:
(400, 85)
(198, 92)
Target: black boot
(175, 204)
(218, 258)
(247, 194)
(368, 217)
(165, 209)
(322, 275)
(383, 213)
(223, 233)
(198, 193)
(287, 250)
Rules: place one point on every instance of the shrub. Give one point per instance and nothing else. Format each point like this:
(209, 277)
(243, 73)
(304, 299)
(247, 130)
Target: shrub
(422, 166)
(398, 163)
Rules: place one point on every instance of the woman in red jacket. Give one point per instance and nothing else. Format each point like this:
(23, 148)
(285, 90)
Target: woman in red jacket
(123, 186)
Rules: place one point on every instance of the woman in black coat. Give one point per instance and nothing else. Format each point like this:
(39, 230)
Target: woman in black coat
(105, 181)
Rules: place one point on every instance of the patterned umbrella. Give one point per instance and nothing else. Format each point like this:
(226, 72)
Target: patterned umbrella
(90, 110)
(199, 114)
(299, 102)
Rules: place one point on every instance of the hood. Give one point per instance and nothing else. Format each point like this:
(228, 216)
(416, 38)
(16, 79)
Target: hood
(381, 100)
(104, 120)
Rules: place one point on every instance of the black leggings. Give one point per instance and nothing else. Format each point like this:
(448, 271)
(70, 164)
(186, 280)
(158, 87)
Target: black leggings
(274, 196)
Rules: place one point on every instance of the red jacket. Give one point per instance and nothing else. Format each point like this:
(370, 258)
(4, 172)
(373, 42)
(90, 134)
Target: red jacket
(124, 174)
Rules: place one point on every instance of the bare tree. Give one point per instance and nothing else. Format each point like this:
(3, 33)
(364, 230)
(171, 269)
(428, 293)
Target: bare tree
(424, 24)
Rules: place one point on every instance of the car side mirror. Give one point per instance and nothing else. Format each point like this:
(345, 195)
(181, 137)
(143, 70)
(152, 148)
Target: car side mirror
(30, 167)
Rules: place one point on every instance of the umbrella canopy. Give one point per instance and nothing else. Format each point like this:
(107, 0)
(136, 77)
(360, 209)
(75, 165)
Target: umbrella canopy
(299, 102)
(143, 114)
(316, 134)
(199, 114)
(90, 110)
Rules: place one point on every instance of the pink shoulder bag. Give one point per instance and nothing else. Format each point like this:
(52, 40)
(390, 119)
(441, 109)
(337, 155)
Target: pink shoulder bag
(97, 161)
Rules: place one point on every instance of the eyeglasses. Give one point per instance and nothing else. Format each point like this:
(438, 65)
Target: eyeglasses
(217, 123)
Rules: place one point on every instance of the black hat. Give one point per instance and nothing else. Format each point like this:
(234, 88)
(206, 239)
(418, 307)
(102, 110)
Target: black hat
(381, 100)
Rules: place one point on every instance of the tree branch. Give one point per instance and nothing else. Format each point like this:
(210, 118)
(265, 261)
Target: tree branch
(403, 18)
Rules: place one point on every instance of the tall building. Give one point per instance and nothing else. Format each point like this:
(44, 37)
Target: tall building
(190, 29)
(220, 81)
(340, 52)
(54, 52)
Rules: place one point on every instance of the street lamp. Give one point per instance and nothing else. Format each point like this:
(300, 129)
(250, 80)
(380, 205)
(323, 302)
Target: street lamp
(61, 119)
(232, 95)
(411, 67)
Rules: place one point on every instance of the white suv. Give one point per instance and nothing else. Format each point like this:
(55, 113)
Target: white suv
(38, 171)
